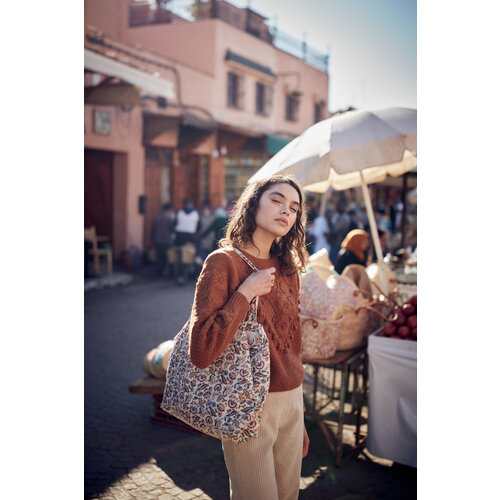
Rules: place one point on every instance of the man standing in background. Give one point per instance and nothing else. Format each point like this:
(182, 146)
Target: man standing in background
(162, 235)
(187, 227)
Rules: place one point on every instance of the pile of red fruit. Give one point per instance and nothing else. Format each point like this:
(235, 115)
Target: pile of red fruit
(403, 323)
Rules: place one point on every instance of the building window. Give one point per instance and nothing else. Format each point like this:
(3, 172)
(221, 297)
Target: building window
(263, 99)
(235, 90)
(319, 110)
(292, 107)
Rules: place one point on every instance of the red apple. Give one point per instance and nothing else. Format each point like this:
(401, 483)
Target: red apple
(399, 319)
(389, 329)
(412, 321)
(413, 333)
(403, 331)
(413, 301)
(408, 309)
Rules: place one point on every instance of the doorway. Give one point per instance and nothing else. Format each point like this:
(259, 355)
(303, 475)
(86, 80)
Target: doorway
(98, 191)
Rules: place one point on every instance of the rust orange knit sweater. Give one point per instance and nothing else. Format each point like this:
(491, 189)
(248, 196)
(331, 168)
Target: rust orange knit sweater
(219, 308)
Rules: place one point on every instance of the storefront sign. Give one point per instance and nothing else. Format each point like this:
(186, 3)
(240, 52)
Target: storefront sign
(102, 122)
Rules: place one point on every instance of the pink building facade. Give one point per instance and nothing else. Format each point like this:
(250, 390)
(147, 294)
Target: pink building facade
(178, 109)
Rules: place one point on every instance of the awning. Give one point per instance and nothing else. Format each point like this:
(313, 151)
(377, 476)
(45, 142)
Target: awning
(276, 142)
(231, 56)
(225, 127)
(146, 81)
(191, 120)
(155, 124)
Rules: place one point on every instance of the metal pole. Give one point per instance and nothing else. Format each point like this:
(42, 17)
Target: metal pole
(373, 229)
(403, 216)
(322, 206)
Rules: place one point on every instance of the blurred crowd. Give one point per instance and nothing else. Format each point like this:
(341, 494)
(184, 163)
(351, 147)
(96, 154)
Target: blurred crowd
(344, 232)
(183, 239)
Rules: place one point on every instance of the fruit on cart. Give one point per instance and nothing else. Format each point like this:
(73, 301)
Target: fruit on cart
(399, 319)
(412, 321)
(403, 331)
(408, 309)
(389, 329)
(402, 322)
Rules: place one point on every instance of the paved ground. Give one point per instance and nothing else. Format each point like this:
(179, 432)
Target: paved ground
(128, 457)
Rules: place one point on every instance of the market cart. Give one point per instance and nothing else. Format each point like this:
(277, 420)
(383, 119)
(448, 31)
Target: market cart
(332, 408)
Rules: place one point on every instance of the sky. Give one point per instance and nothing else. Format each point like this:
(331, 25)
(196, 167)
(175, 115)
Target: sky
(372, 46)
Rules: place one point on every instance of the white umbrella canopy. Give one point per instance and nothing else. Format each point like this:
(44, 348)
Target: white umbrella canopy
(333, 151)
(349, 150)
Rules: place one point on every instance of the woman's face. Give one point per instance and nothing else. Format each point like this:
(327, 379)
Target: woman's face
(278, 209)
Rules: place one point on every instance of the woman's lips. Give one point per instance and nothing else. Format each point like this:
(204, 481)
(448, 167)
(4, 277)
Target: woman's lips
(284, 222)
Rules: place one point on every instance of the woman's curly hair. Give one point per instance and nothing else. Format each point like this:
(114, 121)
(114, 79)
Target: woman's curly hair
(290, 249)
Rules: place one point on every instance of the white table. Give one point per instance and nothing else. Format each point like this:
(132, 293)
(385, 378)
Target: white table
(392, 399)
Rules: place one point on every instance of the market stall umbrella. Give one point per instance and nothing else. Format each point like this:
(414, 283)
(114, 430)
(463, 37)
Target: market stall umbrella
(349, 150)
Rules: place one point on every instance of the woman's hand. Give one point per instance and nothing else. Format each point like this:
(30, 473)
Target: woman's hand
(305, 443)
(258, 283)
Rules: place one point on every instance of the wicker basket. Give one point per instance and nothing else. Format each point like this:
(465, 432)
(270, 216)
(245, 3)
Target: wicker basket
(353, 326)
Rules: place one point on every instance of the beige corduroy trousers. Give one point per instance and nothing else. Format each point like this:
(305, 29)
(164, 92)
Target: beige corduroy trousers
(268, 467)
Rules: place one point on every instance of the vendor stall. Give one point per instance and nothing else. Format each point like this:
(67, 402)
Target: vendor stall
(350, 327)
(392, 400)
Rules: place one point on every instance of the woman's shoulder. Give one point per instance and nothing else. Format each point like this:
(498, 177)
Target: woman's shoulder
(219, 266)
(225, 256)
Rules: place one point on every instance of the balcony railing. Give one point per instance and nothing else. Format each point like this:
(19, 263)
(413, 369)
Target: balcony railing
(181, 9)
(300, 49)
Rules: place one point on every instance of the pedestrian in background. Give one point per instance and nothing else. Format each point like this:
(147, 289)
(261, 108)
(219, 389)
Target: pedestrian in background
(206, 237)
(320, 230)
(339, 228)
(352, 250)
(381, 218)
(267, 226)
(217, 229)
(162, 235)
(188, 223)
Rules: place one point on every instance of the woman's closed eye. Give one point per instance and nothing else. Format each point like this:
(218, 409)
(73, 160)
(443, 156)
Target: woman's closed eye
(293, 209)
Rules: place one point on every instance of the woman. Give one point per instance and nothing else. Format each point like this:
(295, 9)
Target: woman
(352, 250)
(267, 226)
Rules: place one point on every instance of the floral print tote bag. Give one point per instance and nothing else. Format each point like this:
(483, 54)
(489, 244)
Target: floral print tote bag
(225, 399)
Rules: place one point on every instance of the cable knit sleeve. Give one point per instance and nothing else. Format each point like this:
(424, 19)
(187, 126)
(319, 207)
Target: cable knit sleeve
(217, 310)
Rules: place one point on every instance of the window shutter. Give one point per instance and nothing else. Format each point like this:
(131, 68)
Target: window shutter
(268, 99)
(230, 89)
(240, 91)
(258, 97)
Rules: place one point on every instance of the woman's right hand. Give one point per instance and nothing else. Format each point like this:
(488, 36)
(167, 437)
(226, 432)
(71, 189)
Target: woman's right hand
(258, 283)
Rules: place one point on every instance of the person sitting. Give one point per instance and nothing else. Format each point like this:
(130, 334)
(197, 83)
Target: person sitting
(352, 250)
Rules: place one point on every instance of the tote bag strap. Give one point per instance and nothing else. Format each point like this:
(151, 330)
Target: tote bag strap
(256, 299)
(244, 258)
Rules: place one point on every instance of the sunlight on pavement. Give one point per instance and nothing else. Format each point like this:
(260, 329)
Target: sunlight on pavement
(152, 482)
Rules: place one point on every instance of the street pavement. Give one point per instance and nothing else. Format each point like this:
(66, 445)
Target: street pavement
(129, 457)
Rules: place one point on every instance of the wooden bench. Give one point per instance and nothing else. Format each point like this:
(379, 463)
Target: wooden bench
(155, 386)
